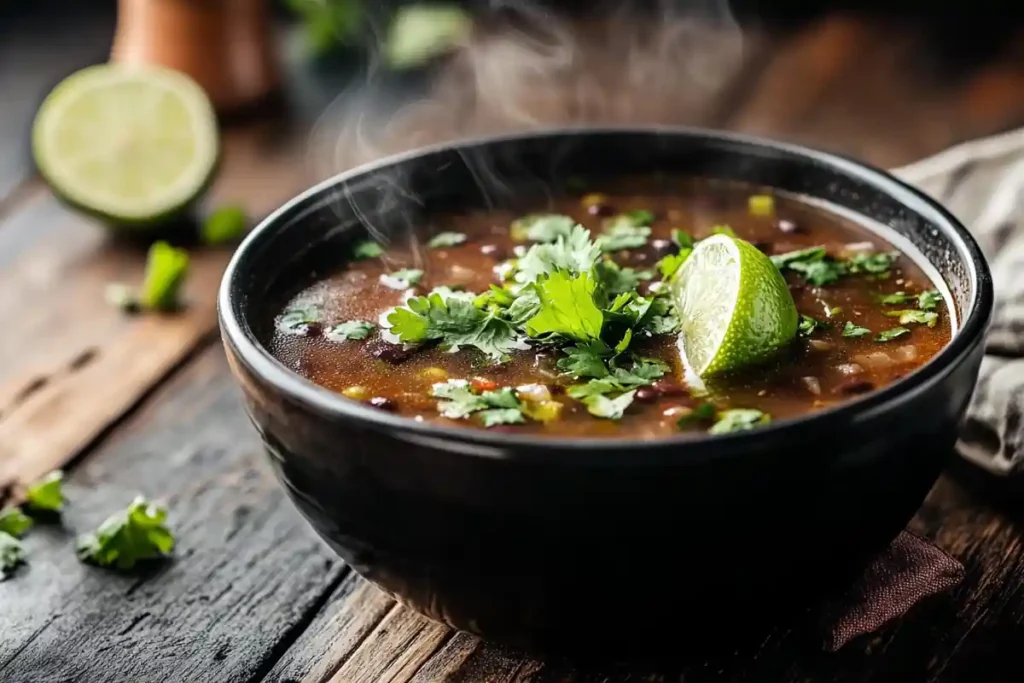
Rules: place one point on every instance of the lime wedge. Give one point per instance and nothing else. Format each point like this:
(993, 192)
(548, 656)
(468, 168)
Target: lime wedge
(129, 144)
(734, 307)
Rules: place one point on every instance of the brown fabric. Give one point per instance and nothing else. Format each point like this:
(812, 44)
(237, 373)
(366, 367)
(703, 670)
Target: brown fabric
(908, 571)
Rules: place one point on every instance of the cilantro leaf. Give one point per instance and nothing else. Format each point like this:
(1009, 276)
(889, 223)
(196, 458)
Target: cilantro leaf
(601, 406)
(524, 307)
(446, 239)
(661, 317)
(895, 299)
(459, 399)
(739, 420)
(671, 263)
(166, 268)
(47, 493)
(11, 554)
(402, 279)
(350, 330)
(809, 325)
(494, 336)
(128, 537)
(297, 319)
(807, 255)
(567, 308)
(542, 227)
(889, 335)
(705, 412)
(914, 316)
(501, 416)
(851, 330)
(14, 522)
(585, 360)
(366, 249)
(812, 264)
(226, 224)
(928, 300)
(615, 279)
(626, 231)
(575, 254)
(682, 239)
(872, 263)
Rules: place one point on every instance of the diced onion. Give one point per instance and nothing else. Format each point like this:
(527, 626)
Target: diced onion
(875, 359)
(850, 369)
(819, 344)
(533, 392)
(906, 354)
(812, 384)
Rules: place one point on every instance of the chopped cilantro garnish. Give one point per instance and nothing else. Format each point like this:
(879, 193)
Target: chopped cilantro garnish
(350, 331)
(682, 239)
(446, 239)
(811, 263)
(366, 249)
(166, 268)
(402, 279)
(575, 254)
(807, 255)
(626, 231)
(47, 494)
(296, 320)
(586, 360)
(615, 279)
(705, 412)
(889, 335)
(567, 308)
(640, 216)
(501, 416)
(739, 420)
(851, 330)
(601, 406)
(11, 554)
(809, 325)
(671, 263)
(542, 227)
(928, 300)
(761, 205)
(500, 406)
(915, 317)
(226, 224)
(872, 263)
(14, 522)
(133, 535)
(895, 299)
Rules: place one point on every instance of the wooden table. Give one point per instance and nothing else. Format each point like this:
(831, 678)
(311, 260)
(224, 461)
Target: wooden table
(146, 405)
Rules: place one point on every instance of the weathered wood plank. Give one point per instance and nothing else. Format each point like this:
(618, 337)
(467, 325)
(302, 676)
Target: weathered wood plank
(74, 350)
(247, 575)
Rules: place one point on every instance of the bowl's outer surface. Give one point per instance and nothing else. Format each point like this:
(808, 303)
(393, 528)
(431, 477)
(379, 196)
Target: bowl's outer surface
(593, 545)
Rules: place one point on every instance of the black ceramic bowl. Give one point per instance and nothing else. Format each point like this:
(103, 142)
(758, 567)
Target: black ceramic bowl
(594, 544)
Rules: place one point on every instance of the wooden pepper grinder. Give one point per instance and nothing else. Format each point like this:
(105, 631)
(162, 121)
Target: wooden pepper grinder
(225, 45)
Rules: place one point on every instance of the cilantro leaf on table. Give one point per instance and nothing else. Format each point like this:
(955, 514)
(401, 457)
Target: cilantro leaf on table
(366, 249)
(542, 227)
(14, 522)
(626, 231)
(351, 330)
(446, 239)
(889, 335)
(12, 553)
(567, 308)
(913, 316)
(47, 494)
(128, 537)
(574, 254)
(402, 279)
(929, 300)
(738, 420)
(166, 268)
(851, 330)
(601, 406)
(224, 225)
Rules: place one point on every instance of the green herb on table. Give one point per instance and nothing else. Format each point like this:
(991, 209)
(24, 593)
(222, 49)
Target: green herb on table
(47, 494)
(352, 330)
(402, 279)
(366, 249)
(226, 224)
(12, 553)
(166, 268)
(133, 535)
(929, 300)
(14, 522)
(851, 330)
(542, 227)
(914, 317)
(446, 239)
(738, 420)
(889, 335)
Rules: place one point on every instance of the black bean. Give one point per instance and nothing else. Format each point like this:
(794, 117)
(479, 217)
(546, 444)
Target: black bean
(788, 227)
(389, 353)
(855, 386)
(312, 330)
(646, 394)
(493, 250)
(383, 403)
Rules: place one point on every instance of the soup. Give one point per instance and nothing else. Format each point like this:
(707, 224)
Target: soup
(607, 314)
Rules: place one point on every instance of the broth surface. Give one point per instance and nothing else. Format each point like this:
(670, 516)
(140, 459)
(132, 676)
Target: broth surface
(816, 371)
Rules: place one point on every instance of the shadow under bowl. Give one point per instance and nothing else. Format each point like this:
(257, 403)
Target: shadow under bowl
(591, 546)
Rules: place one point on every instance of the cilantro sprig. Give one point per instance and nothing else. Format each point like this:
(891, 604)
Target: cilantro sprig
(134, 535)
(496, 407)
(819, 269)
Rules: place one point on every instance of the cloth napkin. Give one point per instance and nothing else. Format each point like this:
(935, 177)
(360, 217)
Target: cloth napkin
(982, 183)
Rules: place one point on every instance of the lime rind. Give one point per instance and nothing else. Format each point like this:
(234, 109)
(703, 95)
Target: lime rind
(734, 306)
(131, 145)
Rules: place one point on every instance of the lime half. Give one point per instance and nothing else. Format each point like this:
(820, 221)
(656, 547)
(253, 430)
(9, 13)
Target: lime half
(734, 307)
(129, 144)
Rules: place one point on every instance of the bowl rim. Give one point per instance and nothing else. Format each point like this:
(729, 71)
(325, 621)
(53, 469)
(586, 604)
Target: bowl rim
(238, 334)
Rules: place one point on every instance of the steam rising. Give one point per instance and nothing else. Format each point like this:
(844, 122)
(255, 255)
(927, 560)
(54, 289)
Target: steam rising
(525, 67)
